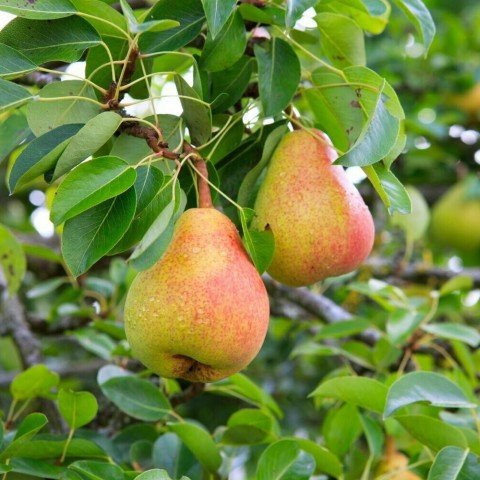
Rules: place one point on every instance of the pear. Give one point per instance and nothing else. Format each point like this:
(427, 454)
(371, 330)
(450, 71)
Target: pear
(456, 218)
(201, 312)
(321, 225)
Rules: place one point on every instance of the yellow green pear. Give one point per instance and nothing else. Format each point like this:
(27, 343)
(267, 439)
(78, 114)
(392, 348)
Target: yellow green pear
(456, 218)
(201, 312)
(321, 225)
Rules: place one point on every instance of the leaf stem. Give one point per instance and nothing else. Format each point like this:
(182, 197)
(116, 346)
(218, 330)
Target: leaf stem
(67, 443)
(71, 97)
(123, 105)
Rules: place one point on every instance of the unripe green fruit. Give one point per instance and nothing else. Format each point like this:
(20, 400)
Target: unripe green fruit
(201, 313)
(456, 218)
(321, 225)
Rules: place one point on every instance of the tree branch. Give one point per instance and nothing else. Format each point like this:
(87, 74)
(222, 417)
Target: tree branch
(192, 391)
(418, 272)
(318, 305)
(15, 323)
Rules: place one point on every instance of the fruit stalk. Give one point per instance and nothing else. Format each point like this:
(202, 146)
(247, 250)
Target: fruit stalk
(204, 194)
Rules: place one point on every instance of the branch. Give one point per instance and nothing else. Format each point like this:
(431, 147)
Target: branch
(418, 272)
(15, 323)
(316, 304)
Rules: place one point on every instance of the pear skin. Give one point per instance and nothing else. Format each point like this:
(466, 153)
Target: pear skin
(321, 225)
(456, 219)
(201, 312)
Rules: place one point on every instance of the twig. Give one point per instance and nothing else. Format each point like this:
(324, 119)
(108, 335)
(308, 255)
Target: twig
(192, 391)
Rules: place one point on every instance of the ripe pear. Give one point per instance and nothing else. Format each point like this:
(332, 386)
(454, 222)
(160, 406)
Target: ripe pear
(456, 218)
(201, 312)
(321, 225)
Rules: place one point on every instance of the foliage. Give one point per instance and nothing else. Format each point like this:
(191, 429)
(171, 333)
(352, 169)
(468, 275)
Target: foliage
(332, 394)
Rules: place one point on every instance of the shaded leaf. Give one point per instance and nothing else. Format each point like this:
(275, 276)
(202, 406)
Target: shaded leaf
(96, 132)
(92, 234)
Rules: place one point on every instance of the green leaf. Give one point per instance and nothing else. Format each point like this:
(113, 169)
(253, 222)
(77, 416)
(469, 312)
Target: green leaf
(240, 386)
(92, 234)
(326, 461)
(12, 260)
(90, 184)
(100, 11)
(278, 75)
(172, 455)
(341, 428)
(454, 463)
(68, 38)
(249, 187)
(454, 331)
(155, 474)
(217, 13)
(12, 95)
(77, 408)
(159, 235)
(227, 47)
(14, 130)
(189, 14)
(342, 50)
(44, 253)
(14, 63)
(374, 435)
(164, 222)
(43, 449)
(87, 141)
(431, 432)
(29, 427)
(361, 391)
(458, 283)
(429, 387)
(231, 82)
(198, 116)
(248, 426)
(147, 184)
(284, 460)
(376, 140)
(295, 9)
(402, 323)
(421, 18)
(343, 329)
(389, 188)
(36, 381)
(40, 9)
(199, 442)
(40, 155)
(35, 468)
(45, 116)
(136, 397)
(97, 343)
(97, 470)
(260, 245)
(372, 16)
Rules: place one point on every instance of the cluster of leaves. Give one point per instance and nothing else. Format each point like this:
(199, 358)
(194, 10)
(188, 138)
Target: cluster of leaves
(233, 66)
(135, 196)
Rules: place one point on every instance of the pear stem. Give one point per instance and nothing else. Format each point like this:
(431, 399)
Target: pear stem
(204, 194)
